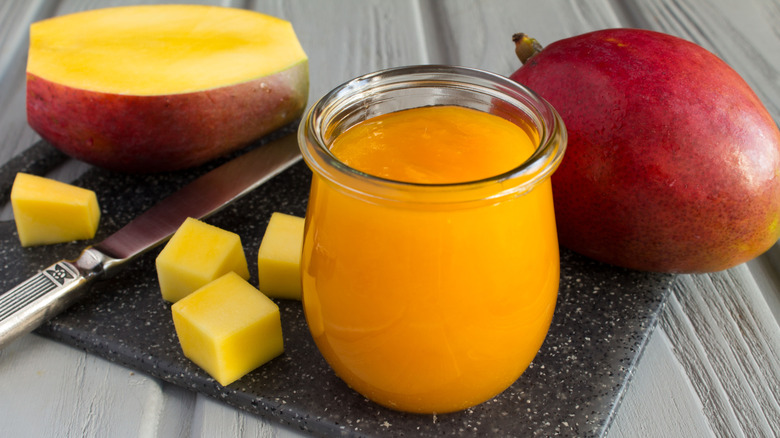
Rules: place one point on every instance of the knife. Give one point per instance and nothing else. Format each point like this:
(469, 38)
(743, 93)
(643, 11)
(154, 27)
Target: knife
(39, 298)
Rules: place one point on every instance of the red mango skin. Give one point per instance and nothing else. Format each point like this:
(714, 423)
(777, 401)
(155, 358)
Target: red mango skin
(146, 134)
(673, 163)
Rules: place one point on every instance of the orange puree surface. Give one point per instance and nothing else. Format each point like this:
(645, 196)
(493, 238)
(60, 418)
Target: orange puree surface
(429, 307)
(434, 145)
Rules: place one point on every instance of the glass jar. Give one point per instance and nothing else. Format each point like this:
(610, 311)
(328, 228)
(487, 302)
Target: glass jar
(429, 298)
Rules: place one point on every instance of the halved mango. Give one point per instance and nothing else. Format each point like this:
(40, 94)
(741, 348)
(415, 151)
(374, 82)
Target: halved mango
(162, 87)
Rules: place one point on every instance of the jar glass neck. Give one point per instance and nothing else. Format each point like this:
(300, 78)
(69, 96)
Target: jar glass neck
(403, 88)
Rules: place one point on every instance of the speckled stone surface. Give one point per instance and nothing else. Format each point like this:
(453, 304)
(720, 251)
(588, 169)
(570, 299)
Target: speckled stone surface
(602, 321)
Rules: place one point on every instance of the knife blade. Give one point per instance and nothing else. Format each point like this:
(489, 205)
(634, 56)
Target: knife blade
(52, 290)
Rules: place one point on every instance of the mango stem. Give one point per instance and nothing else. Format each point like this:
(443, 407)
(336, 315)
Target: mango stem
(525, 46)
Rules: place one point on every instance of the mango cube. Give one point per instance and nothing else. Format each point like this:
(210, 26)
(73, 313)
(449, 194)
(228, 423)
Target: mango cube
(279, 257)
(197, 254)
(228, 328)
(49, 211)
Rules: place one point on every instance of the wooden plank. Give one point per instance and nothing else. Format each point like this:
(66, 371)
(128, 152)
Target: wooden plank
(703, 378)
(479, 34)
(175, 417)
(57, 388)
(217, 419)
(767, 275)
(15, 134)
(341, 47)
(660, 399)
(736, 369)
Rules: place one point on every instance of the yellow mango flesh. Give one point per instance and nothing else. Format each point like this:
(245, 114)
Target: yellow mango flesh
(197, 254)
(154, 88)
(161, 49)
(279, 257)
(49, 211)
(228, 328)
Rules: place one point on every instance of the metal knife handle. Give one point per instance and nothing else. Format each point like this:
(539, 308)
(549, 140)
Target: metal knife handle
(30, 304)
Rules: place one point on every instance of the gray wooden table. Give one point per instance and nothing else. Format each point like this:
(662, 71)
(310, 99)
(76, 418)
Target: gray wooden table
(712, 368)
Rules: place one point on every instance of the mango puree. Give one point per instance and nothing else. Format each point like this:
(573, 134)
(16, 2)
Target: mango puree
(430, 307)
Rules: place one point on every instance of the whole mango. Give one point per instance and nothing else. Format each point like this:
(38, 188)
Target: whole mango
(673, 163)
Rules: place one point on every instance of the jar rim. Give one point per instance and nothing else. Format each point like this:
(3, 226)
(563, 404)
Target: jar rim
(539, 166)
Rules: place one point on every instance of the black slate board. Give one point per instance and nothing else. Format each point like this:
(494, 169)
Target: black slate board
(602, 322)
